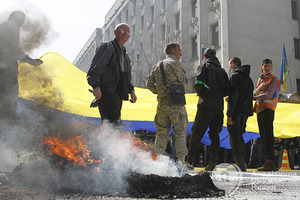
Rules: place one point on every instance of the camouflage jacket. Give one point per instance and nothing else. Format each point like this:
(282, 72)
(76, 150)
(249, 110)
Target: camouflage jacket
(174, 72)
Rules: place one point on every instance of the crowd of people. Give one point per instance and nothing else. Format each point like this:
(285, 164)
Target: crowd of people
(110, 77)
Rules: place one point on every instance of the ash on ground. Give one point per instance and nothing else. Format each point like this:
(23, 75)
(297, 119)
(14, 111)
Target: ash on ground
(38, 179)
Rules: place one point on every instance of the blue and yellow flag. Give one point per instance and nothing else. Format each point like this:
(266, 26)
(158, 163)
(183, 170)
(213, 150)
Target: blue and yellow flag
(284, 70)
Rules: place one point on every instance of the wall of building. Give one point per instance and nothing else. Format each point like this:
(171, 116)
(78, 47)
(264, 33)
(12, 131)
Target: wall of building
(258, 29)
(85, 56)
(252, 30)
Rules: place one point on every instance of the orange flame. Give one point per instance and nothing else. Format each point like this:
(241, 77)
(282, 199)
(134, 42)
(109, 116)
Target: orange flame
(138, 143)
(74, 149)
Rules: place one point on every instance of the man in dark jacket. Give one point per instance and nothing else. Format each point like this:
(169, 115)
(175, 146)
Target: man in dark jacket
(110, 75)
(212, 85)
(240, 107)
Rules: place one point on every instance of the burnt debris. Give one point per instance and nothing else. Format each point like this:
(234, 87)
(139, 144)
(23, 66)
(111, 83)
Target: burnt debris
(80, 180)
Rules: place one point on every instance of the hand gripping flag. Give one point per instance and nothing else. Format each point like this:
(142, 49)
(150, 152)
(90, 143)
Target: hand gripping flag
(284, 70)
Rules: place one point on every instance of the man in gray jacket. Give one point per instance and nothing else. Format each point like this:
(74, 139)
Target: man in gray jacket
(10, 54)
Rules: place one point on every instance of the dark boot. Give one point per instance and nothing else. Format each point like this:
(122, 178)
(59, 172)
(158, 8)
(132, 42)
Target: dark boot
(268, 166)
(213, 161)
(241, 163)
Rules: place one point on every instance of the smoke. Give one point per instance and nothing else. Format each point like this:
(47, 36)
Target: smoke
(119, 153)
(28, 163)
(36, 30)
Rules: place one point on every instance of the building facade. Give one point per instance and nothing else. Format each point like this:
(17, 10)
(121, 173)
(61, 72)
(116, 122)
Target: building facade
(83, 59)
(252, 30)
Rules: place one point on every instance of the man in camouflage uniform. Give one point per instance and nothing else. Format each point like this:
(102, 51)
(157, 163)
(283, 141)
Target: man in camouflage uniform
(168, 115)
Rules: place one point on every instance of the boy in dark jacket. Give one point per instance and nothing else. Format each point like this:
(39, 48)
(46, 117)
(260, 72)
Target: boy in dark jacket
(240, 103)
(212, 85)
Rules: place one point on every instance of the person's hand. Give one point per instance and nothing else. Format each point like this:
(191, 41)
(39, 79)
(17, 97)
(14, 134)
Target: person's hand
(229, 121)
(263, 86)
(133, 97)
(226, 99)
(97, 93)
(36, 62)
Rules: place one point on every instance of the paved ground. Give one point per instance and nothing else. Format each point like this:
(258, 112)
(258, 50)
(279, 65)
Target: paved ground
(257, 185)
(238, 186)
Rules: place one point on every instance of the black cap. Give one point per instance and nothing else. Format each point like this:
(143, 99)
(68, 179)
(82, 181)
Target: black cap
(210, 52)
(266, 61)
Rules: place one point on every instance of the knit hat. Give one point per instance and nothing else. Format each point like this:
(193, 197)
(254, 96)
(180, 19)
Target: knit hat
(210, 52)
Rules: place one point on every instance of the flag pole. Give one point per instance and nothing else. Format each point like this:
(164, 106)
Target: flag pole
(291, 86)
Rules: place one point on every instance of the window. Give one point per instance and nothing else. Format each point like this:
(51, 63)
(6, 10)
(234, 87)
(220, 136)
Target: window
(298, 85)
(132, 56)
(194, 8)
(126, 15)
(133, 31)
(297, 48)
(295, 11)
(134, 6)
(164, 4)
(119, 19)
(142, 22)
(215, 34)
(194, 46)
(152, 14)
(152, 41)
(177, 21)
(163, 32)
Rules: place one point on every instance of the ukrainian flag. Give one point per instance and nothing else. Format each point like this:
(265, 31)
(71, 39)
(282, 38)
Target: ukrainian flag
(284, 70)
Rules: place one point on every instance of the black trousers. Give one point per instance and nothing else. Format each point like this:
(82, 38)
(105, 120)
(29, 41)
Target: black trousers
(265, 124)
(205, 118)
(9, 91)
(236, 131)
(110, 106)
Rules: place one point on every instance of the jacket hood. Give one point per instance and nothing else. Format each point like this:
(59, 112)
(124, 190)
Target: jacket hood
(213, 60)
(244, 69)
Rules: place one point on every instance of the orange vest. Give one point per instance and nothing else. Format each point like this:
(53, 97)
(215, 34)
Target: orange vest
(269, 103)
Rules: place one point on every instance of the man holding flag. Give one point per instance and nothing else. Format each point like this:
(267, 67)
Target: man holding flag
(284, 70)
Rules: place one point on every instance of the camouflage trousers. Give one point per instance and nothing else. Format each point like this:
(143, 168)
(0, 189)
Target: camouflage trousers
(165, 117)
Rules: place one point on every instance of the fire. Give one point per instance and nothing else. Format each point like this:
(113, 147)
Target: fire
(139, 144)
(74, 149)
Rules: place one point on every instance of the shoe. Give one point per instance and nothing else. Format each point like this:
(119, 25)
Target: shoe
(183, 167)
(209, 167)
(189, 167)
(242, 166)
(268, 166)
(236, 167)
